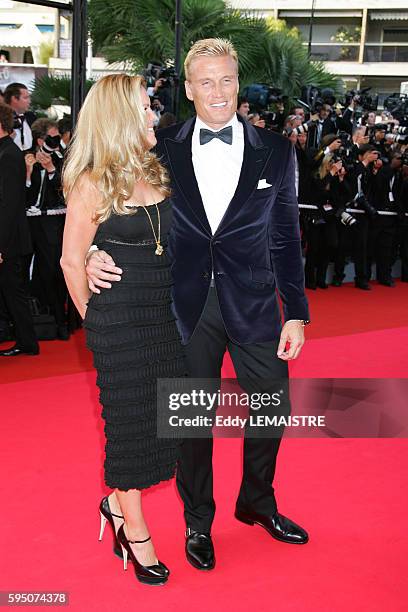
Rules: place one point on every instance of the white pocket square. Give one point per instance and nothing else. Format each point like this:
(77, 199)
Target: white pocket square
(262, 184)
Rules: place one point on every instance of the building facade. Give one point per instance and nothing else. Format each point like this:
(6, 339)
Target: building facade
(365, 42)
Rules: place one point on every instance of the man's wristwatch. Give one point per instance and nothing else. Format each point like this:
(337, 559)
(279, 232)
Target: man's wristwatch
(302, 321)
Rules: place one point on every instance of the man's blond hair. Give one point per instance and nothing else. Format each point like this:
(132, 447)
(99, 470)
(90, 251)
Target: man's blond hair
(209, 47)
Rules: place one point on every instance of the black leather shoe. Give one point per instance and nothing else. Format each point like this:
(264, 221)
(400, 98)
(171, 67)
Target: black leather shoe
(387, 283)
(336, 282)
(278, 526)
(62, 332)
(200, 550)
(362, 285)
(15, 350)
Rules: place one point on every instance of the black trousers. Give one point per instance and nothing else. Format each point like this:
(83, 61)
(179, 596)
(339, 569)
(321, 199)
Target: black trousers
(352, 240)
(48, 283)
(381, 246)
(321, 240)
(252, 363)
(15, 297)
(403, 242)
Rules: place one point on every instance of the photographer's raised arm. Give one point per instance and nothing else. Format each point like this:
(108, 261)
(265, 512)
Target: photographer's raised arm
(80, 230)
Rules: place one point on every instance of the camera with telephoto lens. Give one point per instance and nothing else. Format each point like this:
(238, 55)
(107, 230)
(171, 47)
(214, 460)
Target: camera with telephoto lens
(261, 96)
(365, 101)
(153, 72)
(51, 145)
(397, 105)
(343, 153)
(362, 202)
(347, 219)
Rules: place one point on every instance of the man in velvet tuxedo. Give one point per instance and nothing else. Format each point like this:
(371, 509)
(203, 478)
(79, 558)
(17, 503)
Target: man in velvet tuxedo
(235, 239)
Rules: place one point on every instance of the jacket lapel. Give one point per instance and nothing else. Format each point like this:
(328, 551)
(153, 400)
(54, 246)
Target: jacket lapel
(180, 159)
(256, 156)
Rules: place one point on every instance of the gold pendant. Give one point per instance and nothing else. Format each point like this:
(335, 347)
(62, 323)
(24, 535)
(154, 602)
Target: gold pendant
(159, 250)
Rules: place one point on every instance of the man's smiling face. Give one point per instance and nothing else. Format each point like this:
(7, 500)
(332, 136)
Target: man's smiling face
(213, 87)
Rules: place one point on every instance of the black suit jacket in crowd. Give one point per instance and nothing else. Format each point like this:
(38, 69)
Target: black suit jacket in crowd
(329, 127)
(256, 247)
(51, 192)
(14, 233)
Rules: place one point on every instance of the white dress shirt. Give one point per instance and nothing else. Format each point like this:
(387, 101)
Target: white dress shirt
(28, 137)
(217, 167)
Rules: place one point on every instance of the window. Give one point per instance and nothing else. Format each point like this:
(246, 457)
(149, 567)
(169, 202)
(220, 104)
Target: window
(396, 36)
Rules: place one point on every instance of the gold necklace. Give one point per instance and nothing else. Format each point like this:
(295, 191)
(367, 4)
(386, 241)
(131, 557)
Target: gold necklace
(159, 249)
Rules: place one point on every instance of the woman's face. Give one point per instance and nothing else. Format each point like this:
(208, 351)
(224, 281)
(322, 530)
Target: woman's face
(150, 117)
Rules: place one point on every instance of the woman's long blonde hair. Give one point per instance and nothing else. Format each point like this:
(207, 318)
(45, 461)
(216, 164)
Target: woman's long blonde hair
(110, 145)
(324, 168)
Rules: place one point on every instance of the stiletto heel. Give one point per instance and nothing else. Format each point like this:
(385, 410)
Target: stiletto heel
(147, 574)
(107, 516)
(104, 520)
(125, 555)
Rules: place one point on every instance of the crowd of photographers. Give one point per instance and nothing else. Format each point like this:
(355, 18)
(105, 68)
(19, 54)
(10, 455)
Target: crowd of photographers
(352, 188)
(351, 182)
(33, 294)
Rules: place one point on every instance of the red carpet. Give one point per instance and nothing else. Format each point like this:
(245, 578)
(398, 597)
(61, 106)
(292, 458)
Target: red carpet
(350, 494)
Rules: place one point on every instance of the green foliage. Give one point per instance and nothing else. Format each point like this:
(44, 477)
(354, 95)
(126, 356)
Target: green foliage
(48, 90)
(279, 25)
(46, 51)
(140, 31)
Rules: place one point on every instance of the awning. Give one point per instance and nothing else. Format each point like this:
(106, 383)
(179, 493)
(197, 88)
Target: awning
(389, 15)
(25, 36)
(329, 14)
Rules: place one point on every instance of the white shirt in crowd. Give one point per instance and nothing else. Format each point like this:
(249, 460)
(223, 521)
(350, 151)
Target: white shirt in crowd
(28, 137)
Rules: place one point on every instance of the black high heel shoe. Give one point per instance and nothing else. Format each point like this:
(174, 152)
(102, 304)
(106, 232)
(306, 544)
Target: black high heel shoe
(148, 574)
(107, 516)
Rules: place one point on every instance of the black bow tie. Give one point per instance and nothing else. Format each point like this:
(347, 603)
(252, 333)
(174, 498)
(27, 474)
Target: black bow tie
(225, 135)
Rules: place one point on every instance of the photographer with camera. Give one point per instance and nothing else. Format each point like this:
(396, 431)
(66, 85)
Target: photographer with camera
(377, 139)
(14, 239)
(65, 132)
(161, 91)
(321, 127)
(17, 96)
(243, 107)
(353, 228)
(385, 193)
(46, 215)
(330, 144)
(321, 238)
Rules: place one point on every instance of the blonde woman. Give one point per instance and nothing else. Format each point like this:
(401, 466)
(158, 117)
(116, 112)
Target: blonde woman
(321, 233)
(118, 198)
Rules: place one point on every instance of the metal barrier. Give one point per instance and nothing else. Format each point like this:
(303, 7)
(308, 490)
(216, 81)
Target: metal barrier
(352, 210)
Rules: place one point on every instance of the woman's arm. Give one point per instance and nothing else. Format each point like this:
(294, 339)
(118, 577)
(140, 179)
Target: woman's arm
(80, 230)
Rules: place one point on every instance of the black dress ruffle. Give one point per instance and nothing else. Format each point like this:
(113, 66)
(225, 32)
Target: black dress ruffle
(132, 333)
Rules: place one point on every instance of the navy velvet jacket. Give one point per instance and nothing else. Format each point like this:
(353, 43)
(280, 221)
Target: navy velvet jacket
(254, 251)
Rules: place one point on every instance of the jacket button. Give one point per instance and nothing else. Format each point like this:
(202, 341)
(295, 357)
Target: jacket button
(220, 273)
(206, 275)
(217, 241)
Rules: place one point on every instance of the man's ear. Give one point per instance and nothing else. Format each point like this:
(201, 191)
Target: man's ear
(189, 93)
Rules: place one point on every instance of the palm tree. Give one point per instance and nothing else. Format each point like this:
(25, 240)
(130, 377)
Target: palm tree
(48, 90)
(141, 31)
